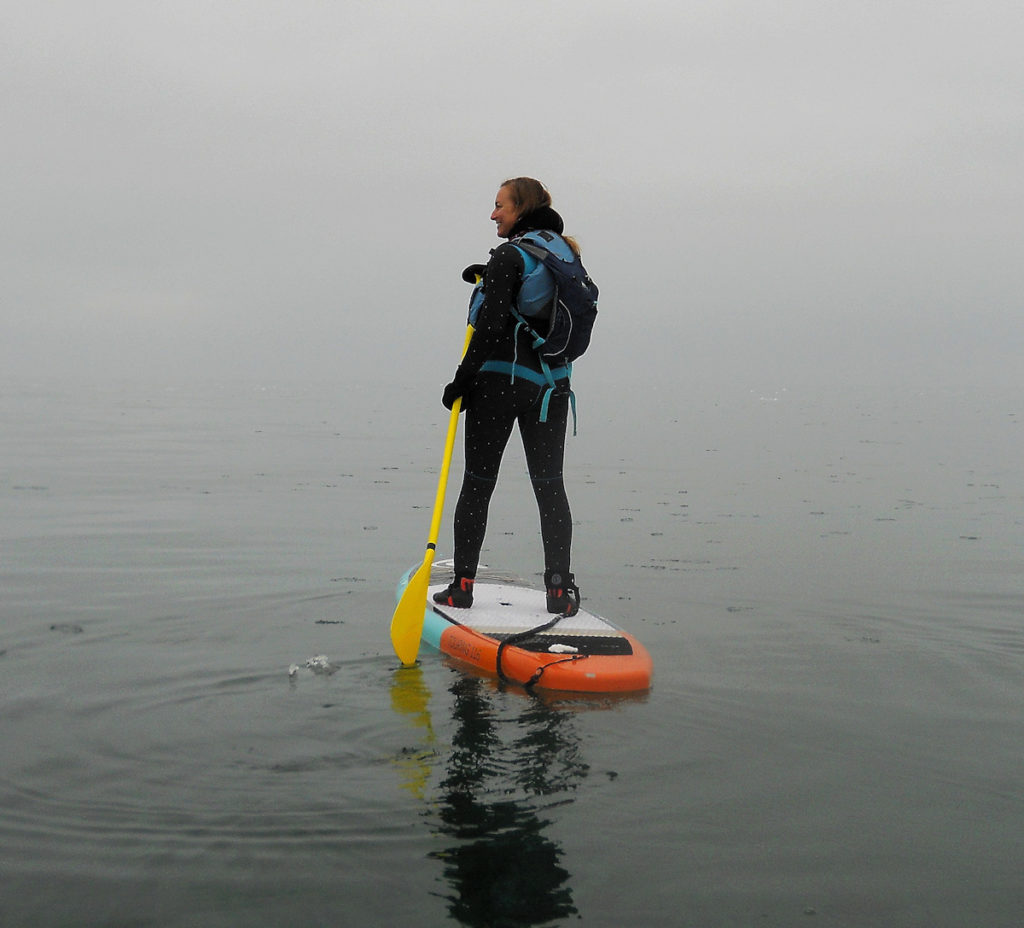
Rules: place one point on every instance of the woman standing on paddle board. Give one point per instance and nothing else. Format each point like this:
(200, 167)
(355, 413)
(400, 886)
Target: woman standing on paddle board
(502, 383)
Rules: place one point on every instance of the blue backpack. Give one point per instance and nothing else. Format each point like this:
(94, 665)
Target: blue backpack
(565, 293)
(557, 296)
(557, 300)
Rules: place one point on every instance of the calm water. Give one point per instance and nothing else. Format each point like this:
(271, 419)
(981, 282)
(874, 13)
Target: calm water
(830, 582)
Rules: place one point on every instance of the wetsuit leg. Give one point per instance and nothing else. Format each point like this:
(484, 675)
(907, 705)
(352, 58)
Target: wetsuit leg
(544, 444)
(489, 422)
(496, 406)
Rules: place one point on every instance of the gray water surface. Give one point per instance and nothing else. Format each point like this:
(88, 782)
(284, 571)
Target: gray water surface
(829, 580)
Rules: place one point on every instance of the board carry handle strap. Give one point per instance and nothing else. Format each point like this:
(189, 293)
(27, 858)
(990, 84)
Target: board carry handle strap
(522, 636)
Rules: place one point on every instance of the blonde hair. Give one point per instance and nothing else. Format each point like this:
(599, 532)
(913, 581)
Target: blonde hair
(529, 194)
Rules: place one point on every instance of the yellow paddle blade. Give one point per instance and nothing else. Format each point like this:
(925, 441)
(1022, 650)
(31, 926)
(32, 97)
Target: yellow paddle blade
(407, 622)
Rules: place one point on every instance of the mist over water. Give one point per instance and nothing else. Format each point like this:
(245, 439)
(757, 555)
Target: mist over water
(231, 258)
(828, 580)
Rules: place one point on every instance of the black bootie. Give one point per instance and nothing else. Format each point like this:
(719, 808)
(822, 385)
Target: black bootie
(563, 594)
(459, 593)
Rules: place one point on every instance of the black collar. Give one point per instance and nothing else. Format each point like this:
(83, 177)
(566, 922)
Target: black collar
(543, 218)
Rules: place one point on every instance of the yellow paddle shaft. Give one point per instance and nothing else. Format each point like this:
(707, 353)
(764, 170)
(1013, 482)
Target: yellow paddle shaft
(407, 622)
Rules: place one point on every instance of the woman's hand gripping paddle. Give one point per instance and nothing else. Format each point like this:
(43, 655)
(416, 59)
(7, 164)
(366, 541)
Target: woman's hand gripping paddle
(407, 622)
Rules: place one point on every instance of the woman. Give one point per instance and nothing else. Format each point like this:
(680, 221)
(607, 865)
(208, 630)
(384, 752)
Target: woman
(501, 383)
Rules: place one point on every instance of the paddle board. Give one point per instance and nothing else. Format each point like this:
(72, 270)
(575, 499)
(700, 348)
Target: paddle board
(508, 632)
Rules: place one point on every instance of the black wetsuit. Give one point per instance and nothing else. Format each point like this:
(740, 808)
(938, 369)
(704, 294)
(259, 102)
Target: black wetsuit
(498, 400)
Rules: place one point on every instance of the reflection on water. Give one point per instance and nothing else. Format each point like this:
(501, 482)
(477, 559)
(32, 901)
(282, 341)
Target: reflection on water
(511, 758)
(410, 696)
(501, 868)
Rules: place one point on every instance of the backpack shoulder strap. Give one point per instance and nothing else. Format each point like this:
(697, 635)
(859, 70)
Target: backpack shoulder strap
(544, 244)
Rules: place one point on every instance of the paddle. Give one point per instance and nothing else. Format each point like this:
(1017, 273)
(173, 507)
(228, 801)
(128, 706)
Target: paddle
(407, 622)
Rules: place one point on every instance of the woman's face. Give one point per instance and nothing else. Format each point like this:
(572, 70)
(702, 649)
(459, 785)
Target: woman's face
(505, 214)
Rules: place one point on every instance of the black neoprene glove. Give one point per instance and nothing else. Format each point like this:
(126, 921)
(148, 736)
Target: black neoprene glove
(458, 387)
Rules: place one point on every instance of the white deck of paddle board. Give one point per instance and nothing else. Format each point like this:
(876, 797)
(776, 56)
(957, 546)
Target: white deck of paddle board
(501, 608)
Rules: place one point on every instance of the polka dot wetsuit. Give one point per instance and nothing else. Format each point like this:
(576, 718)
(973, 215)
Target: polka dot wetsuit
(496, 402)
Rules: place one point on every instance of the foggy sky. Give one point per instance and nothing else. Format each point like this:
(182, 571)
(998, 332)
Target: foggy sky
(290, 190)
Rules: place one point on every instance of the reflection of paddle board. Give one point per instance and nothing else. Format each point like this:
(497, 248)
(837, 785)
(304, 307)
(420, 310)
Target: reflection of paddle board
(509, 632)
